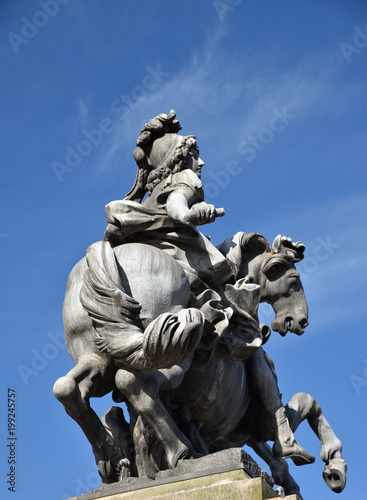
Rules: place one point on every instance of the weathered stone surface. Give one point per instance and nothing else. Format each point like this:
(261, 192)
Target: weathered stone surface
(221, 461)
(168, 322)
(221, 486)
(223, 466)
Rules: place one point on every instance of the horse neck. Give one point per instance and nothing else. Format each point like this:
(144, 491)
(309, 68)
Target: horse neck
(245, 253)
(252, 267)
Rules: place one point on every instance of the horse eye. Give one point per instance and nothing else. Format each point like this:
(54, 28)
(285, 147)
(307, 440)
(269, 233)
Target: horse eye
(274, 271)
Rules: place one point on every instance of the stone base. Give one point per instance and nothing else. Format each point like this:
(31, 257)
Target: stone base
(226, 475)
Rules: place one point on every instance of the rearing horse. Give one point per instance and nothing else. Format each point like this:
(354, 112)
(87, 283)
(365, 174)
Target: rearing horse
(124, 291)
(217, 399)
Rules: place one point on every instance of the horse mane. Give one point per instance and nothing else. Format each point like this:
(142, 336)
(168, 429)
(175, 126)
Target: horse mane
(237, 246)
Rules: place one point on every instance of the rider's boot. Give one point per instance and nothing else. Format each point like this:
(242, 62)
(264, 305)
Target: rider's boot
(285, 444)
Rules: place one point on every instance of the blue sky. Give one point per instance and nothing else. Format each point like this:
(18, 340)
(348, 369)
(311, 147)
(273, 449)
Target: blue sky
(276, 95)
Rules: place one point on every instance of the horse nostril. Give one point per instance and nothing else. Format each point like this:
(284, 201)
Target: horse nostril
(303, 322)
(288, 322)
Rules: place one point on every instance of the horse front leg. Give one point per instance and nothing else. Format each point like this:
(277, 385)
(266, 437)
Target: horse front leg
(142, 391)
(74, 391)
(304, 406)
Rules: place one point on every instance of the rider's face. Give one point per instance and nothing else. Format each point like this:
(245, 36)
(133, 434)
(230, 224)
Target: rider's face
(195, 163)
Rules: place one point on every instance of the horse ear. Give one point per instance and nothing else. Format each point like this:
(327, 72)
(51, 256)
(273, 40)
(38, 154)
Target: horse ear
(256, 243)
(284, 245)
(276, 244)
(251, 243)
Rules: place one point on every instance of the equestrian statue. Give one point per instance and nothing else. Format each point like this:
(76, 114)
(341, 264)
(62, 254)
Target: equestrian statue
(168, 322)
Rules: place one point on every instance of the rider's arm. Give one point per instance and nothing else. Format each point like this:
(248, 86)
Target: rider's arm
(177, 205)
(184, 200)
(180, 207)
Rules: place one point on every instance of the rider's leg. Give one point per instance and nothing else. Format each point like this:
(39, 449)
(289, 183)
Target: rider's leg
(263, 384)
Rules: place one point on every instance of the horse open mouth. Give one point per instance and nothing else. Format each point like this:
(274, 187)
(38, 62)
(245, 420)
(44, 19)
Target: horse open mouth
(279, 326)
(289, 325)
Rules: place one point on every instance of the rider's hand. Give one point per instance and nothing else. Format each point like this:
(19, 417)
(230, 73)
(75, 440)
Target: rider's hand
(200, 213)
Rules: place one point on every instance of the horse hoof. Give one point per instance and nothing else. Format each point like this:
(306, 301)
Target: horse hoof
(335, 474)
(182, 454)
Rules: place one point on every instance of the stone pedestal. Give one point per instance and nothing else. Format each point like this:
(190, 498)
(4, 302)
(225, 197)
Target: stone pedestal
(230, 474)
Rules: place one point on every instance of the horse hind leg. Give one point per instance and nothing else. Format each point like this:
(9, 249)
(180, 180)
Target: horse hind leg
(304, 406)
(74, 391)
(278, 468)
(142, 391)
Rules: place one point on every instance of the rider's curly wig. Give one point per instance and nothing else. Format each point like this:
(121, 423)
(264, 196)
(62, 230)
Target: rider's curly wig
(150, 174)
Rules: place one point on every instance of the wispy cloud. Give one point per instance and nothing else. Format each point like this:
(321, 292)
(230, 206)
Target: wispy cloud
(336, 282)
(82, 120)
(238, 101)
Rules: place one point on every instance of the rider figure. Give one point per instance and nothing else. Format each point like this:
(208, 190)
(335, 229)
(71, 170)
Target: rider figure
(169, 170)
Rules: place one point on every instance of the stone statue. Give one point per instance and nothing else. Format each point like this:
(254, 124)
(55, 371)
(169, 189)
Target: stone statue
(168, 322)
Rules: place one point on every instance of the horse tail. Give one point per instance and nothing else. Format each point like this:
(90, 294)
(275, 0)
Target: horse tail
(114, 313)
(117, 326)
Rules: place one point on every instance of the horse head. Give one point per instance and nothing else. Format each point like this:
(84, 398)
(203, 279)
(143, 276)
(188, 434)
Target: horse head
(282, 287)
(273, 268)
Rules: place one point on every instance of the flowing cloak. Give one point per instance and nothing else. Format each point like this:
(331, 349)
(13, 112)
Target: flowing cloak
(209, 273)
